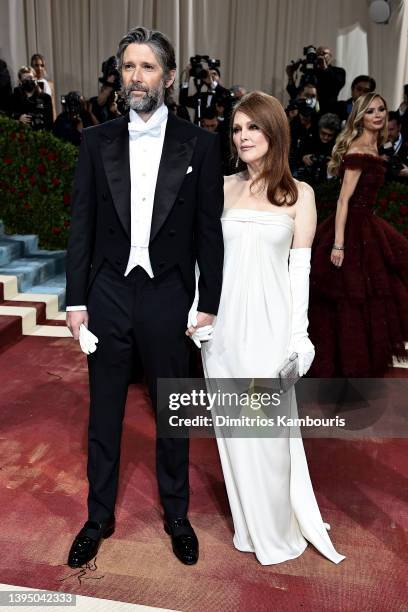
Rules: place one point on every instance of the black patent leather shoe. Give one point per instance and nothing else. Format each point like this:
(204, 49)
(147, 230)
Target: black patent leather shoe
(87, 541)
(183, 539)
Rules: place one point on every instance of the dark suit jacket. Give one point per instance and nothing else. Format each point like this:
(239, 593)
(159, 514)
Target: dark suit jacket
(186, 214)
(219, 93)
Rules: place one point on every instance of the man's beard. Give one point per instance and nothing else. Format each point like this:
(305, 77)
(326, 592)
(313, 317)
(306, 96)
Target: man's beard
(152, 99)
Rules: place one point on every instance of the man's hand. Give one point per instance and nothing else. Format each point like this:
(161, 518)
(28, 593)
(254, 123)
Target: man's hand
(404, 171)
(307, 159)
(25, 119)
(74, 319)
(203, 319)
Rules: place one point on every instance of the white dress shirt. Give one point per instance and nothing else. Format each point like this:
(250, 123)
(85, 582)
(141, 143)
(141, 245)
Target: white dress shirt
(146, 140)
(145, 150)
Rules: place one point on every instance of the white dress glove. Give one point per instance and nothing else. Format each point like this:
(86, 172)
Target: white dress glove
(203, 333)
(299, 270)
(87, 340)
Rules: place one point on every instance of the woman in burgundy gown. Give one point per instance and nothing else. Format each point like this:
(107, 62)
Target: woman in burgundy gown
(359, 273)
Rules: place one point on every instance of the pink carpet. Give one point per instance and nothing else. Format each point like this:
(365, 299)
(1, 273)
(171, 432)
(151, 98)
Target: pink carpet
(361, 488)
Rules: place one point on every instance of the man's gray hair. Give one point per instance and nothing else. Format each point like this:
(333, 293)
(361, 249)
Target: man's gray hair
(331, 122)
(160, 45)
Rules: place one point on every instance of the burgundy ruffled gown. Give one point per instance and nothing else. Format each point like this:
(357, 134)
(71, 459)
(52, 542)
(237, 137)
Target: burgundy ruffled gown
(359, 313)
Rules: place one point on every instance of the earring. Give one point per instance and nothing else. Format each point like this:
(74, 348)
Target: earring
(237, 162)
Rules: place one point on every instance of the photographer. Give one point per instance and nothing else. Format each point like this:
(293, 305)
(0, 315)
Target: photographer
(29, 104)
(5, 88)
(303, 132)
(317, 68)
(237, 92)
(202, 77)
(395, 151)
(69, 124)
(107, 105)
(316, 153)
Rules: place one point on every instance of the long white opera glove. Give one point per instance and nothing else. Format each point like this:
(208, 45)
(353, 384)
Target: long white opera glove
(299, 270)
(203, 333)
(87, 340)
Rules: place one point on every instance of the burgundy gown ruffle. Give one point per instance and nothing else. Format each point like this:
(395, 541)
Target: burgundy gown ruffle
(359, 313)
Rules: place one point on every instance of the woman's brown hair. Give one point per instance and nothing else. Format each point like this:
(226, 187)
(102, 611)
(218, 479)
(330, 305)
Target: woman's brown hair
(268, 114)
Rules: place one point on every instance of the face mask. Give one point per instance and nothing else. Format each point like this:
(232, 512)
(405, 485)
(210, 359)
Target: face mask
(28, 85)
(311, 102)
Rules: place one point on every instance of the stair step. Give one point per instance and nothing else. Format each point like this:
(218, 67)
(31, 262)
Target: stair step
(50, 302)
(28, 316)
(30, 271)
(40, 308)
(9, 250)
(32, 318)
(10, 330)
(50, 331)
(8, 287)
(53, 286)
(28, 242)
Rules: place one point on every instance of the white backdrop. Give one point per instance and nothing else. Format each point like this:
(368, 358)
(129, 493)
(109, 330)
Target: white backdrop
(254, 39)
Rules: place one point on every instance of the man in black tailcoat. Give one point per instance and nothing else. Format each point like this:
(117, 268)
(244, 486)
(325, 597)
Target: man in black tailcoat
(147, 201)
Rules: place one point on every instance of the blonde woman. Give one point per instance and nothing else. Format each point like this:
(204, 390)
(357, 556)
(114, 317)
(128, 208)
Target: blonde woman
(359, 280)
(38, 64)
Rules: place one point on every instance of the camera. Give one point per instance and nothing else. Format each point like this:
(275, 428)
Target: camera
(37, 116)
(307, 64)
(316, 173)
(197, 70)
(110, 68)
(72, 103)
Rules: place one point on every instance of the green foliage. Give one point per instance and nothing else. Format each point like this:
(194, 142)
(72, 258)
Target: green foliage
(35, 183)
(391, 204)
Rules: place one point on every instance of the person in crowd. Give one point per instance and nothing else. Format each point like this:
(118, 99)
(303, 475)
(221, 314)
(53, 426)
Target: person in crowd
(308, 92)
(177, 109)
(38, 64)
(359, 281)
(316, 154)
(395, 150)
(5, 88)
(29, 104)
(303, 131)
(329, 79)
(214, 92)
(403, 111)
(268, 219)
(73, 119)
(237, 92)
(104, 106)
(361, 85)
(209, 120)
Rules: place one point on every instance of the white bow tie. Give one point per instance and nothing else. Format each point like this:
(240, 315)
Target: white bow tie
(138, 129)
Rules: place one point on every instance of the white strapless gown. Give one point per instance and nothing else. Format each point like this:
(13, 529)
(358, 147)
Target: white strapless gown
(273, 506)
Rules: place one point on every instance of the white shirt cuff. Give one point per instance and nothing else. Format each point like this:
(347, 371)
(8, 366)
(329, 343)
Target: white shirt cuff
(73, 308)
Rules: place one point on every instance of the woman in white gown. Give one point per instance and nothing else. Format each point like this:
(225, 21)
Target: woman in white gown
(262, 319)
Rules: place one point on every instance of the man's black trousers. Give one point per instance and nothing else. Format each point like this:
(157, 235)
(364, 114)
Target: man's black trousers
(130, 315)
